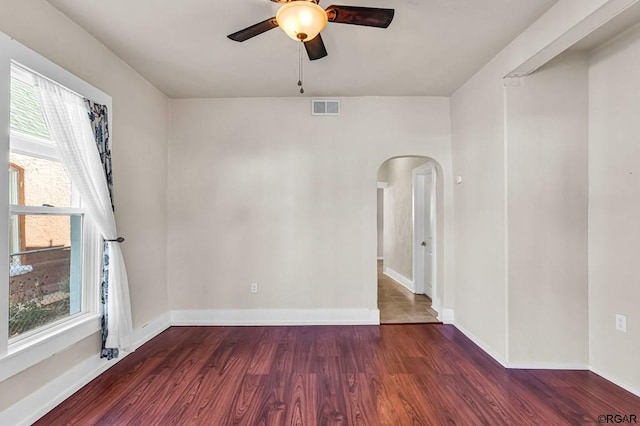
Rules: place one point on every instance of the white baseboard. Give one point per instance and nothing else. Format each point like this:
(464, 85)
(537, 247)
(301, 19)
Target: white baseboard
(400, 279)
(30, 409)
(253, 317)
(445, 315)
(481, 344)
(547, 366)
(151, 329)
(616, 381)
(436, 305)
(521, 365)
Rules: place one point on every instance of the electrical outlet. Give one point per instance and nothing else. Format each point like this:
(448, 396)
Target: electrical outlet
(621, 323)
(254, 287)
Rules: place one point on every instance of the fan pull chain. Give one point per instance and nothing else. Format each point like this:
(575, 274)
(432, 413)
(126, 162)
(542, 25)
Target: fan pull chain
(300, 71)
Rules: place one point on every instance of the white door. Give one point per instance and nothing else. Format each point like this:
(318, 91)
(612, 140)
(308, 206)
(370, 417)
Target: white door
(424, 219)
(427, 239)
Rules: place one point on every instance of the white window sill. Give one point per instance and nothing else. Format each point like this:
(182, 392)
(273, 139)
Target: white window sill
(31, 350)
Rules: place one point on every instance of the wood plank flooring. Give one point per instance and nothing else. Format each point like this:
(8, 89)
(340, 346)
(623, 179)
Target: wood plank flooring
(426, 374)
(399, 306)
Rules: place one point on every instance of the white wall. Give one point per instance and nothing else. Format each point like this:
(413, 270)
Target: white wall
(260, 190)
(547, 122)
(479, 216)
(478, 155)
(398, 212)
(614, 208)
(140, 139)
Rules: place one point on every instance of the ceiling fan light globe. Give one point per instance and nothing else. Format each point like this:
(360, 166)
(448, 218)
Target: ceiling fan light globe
(301, 18)
(305, 17)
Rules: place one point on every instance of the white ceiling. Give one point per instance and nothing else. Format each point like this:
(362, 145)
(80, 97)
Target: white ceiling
(430, 49)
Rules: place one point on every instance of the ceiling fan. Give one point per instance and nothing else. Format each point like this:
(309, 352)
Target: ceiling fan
(302, 20)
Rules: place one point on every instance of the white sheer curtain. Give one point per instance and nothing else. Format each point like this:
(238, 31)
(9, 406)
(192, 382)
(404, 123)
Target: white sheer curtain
(66, 116)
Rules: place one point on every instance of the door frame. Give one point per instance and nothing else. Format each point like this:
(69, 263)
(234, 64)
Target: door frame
(420, 215)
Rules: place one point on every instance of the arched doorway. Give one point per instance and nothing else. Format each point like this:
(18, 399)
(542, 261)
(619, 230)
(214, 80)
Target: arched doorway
(407, 240)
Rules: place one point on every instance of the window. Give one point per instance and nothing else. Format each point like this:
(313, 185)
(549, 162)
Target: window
(45, 222)
(49, 293)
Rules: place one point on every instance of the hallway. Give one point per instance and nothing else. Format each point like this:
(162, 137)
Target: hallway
(399, 306)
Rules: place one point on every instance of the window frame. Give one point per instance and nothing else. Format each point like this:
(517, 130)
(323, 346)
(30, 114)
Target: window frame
(20, 354)
(19, 171)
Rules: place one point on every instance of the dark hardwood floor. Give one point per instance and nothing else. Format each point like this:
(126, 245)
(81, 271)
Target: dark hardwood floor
(345, 375)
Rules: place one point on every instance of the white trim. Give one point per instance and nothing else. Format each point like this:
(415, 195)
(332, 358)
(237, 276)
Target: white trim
(40, 402)
(436, 305)
(151, 329)
(13, 52)
(547, 366)
(5, 90)
(524, 365)
(616, 381)
(380, 258)
(22, 75)
(253, 317)
(51, 211)
(400, 279)
(43, 400)
(34, 62)
(594, 20)
(481, 345)
(30, 351)
(418, 219)
(33, 146)
(432, 216)
(447, 316)
(383, 185)
(505, 207)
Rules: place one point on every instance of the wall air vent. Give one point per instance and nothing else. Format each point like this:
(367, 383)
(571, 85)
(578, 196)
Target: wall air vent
(325, 107)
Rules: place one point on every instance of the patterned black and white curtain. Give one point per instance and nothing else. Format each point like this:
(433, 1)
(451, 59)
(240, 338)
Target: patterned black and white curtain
(100, 126)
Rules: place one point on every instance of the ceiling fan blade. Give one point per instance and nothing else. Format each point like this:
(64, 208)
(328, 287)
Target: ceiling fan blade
(315, 48)
(254, 30)
(367, 16)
